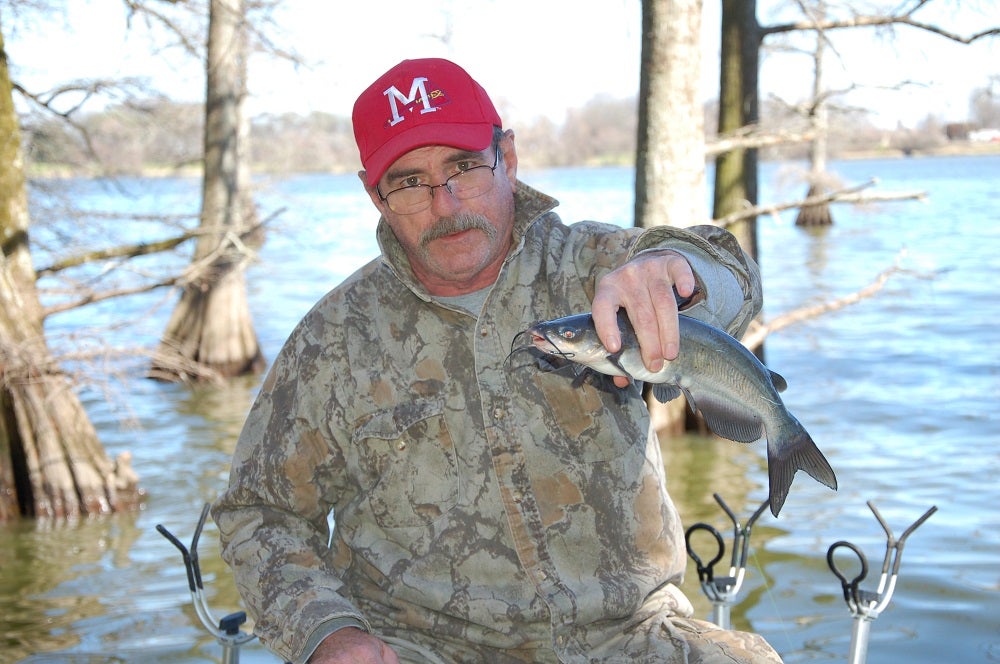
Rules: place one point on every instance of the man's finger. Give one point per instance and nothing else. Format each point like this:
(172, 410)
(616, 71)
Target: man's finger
(604, 311)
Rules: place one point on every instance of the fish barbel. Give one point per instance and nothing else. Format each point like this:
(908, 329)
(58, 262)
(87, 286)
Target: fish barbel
(735, 393)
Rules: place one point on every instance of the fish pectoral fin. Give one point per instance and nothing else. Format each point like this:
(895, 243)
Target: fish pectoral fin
(615, 359)
(600, 381)
(583, 375)
(665, 392)
(728, 419)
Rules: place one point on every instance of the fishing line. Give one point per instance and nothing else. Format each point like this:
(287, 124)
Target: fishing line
(769, 592)
(539, 358)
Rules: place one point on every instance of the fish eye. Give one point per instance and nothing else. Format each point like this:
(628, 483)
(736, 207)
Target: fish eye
(567, 333)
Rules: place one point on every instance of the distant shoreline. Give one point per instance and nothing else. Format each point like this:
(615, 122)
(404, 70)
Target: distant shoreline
(951, 149)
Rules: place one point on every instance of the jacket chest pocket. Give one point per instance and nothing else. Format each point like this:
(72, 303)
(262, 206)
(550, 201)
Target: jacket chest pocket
(410, 455)
(573, 416)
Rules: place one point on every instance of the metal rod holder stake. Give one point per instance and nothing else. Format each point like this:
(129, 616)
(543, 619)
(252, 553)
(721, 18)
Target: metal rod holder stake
(866, 606)
(227, 630)
(722, 591)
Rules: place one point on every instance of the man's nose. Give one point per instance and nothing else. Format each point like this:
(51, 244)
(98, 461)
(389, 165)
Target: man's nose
(442, 200)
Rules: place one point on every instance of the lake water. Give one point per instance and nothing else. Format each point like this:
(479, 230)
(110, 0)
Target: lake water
(901, 391)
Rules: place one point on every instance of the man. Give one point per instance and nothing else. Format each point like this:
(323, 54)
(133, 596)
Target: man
(482, 510)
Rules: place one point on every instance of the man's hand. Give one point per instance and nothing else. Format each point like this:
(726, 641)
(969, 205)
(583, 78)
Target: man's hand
(353, 646)
(644, 288)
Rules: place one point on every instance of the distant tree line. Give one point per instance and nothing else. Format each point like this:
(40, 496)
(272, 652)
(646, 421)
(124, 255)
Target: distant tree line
(165, 137)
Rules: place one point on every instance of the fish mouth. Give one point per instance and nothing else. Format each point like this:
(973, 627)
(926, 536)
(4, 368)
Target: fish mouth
(525, 345)
(543, 342)
(532, 340)
(539, 340)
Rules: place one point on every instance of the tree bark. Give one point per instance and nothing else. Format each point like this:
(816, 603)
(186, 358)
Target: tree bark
(817, 215)
(210, 332)
(51, 461)
(736, 171)
(670, 184)
(670, 160)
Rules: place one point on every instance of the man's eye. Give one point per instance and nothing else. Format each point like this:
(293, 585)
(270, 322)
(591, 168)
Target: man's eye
(411, 181)
(464, 166)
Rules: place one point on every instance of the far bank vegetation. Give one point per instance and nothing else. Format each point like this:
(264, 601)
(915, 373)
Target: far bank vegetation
(161, 137)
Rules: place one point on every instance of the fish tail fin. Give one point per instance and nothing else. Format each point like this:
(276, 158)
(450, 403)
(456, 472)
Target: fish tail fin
(797, 451)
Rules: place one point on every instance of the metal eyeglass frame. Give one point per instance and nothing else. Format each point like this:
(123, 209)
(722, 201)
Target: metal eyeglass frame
(446, 184)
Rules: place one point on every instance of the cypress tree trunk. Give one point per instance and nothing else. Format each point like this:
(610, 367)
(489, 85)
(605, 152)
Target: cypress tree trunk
(739, 102)
(51, 462)
(736, 171)
(670, 160)
(817, 215)
(211, 332)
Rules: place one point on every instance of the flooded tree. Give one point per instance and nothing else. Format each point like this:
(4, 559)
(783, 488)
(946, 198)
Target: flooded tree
(818, 113)
(735, 186)
(211, 329)
(670, 146)
(670, 155)
(51, 461)
(742, 39)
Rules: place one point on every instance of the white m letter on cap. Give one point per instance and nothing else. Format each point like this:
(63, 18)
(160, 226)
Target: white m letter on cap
(417, 88)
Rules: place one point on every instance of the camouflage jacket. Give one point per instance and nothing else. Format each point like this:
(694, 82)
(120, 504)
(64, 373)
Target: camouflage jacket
(484, 509)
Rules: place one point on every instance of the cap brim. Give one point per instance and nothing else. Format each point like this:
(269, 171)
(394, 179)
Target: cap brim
(469, 136)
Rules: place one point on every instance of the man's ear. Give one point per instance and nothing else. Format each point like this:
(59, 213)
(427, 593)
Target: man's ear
(506, 146)
(371, 191)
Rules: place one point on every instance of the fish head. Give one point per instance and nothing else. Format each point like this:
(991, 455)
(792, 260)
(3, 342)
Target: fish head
(573, 337)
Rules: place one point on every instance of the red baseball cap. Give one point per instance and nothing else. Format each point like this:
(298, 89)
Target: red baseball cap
(430, 101)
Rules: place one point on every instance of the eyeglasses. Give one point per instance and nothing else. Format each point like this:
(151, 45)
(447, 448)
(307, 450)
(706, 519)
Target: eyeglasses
(463, 185)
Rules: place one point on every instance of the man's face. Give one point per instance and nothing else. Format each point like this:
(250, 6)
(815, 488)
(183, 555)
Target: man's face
(454, 246)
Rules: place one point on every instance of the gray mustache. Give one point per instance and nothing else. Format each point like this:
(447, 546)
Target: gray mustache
(457, 224)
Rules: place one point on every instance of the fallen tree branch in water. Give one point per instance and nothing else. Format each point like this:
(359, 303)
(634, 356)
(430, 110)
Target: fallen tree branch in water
(146, 248)
(751, 137)
(848, 195)
(758, 331)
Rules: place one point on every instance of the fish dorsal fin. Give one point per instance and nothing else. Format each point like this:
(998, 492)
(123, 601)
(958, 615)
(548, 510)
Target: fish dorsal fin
(779, 382)
(727, 419)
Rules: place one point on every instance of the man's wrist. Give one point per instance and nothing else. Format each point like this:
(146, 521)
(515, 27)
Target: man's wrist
(327, 628)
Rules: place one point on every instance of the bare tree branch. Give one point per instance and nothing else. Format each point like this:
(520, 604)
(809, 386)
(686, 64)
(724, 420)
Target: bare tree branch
(262, 25)
(752, 137)
(862, 20)
(231, 245)
(86, 90)
(126, 251)
(109, 354)
(146, 248)
(137, 8)
(848, 195)
(170, 361)
(758, 332)
(259, 29)
(92, 296)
